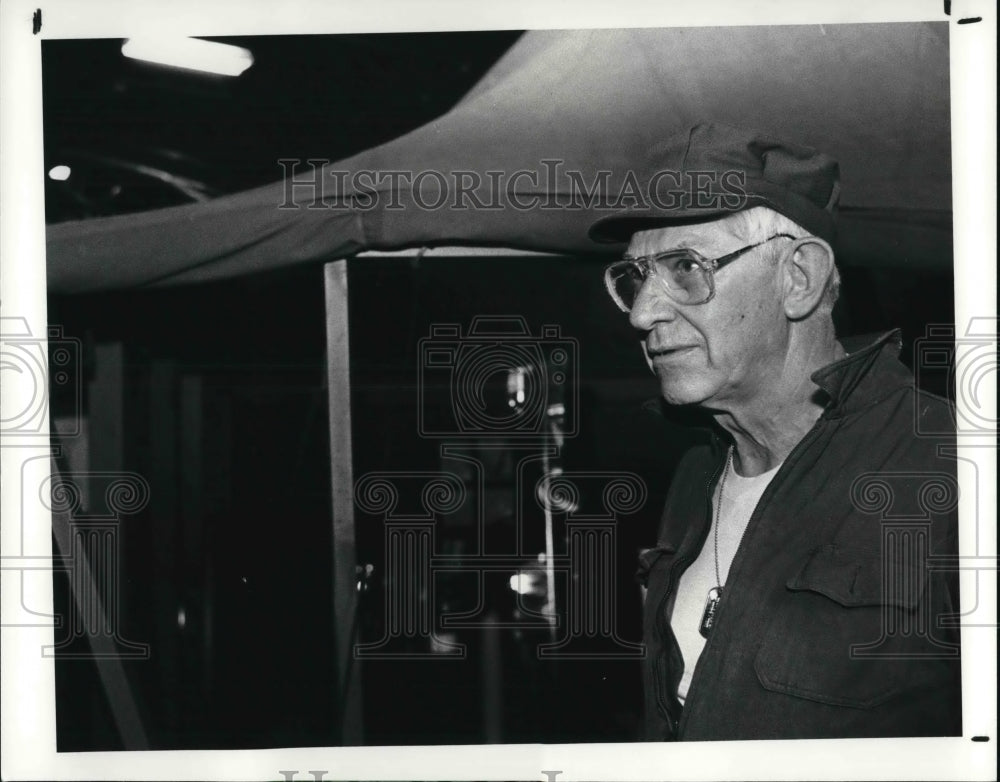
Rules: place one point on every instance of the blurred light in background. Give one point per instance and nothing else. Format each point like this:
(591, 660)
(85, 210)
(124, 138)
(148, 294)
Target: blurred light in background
(191, 53)
(516, 384)
(528, 582)
(59, 173)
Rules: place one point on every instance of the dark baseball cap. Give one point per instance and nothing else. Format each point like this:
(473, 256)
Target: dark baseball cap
(712, 170)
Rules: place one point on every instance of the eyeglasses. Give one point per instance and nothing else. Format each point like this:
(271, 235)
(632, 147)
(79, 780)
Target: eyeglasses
(687, 276)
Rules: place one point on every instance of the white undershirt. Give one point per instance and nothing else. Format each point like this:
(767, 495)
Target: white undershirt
(738, 502)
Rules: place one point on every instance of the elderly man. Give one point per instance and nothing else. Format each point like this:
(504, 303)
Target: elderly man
(791, 592)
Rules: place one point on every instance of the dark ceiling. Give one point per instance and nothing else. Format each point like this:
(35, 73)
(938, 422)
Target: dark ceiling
(139, 136)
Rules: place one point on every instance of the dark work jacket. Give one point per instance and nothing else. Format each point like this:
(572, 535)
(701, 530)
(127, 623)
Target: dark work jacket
(839, 613)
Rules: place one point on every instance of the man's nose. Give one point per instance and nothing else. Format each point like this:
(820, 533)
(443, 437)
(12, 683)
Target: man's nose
(652, 305)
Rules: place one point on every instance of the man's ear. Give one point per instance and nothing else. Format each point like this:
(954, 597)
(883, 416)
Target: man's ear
(807, 270)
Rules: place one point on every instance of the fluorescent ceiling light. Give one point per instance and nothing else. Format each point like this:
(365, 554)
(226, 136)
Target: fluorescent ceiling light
(191, 53)
(59, 173)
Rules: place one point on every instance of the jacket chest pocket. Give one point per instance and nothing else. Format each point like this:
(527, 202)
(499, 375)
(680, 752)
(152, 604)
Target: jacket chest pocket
(841, 628)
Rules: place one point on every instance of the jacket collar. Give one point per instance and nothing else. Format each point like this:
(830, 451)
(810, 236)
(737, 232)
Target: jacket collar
(870, 371)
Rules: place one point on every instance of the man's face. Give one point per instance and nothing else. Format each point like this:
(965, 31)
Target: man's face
(728, 350)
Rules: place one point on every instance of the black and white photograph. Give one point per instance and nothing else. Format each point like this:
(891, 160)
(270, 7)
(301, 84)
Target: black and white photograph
(408, 394)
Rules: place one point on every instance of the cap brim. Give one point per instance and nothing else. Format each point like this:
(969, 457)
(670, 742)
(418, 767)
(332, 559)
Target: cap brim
(618, 228)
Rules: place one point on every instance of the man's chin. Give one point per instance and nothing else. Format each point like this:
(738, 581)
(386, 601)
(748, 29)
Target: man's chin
(677, 394)
(683, 381)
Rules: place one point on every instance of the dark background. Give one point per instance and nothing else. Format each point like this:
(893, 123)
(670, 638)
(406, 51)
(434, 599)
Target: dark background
(238, 531)
(115, 120)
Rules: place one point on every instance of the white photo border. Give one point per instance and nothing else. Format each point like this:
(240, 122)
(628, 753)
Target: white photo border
(28, 686)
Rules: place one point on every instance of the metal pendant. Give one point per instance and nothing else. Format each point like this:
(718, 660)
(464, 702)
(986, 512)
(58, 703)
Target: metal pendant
(711, 608)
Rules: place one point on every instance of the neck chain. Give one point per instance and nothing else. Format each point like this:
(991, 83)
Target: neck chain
(715, 594)
(718, 511)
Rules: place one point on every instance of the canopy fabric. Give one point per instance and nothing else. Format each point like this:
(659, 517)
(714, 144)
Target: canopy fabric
(874, 96)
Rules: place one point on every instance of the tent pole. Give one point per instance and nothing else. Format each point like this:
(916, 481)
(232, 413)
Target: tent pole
(345, 595)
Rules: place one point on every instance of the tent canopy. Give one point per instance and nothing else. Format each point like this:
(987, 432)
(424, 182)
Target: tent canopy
(560, 107)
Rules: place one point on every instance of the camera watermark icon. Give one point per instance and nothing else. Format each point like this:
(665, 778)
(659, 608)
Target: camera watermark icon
(969, 362)
(907, 503)
(497, 380)
(33, 369)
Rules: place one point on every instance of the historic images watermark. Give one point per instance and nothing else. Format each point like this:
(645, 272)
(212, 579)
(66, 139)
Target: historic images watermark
(42, 381)
(290, 775)
(907, 503)
(94, 560)
(34, 368)
(87, 510)
(968, 360)
(552, 185)
(964, 360)
(498, 399)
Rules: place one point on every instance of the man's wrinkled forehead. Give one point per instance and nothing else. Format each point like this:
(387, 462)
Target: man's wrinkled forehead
(706, 238)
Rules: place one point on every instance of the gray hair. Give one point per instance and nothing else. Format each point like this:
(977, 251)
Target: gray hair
(760, 222)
